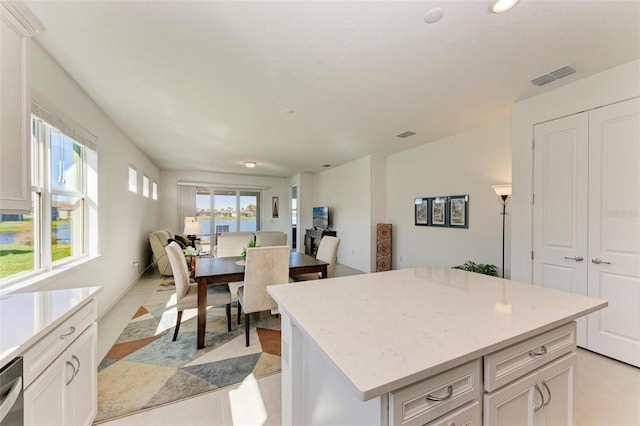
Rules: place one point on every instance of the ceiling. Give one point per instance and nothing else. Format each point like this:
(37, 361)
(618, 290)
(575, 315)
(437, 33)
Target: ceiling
(296, 85)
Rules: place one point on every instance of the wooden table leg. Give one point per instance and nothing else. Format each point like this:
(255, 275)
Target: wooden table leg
(325, 272)
(202, 311)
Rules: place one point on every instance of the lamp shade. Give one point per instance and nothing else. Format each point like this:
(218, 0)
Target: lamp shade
(192, 227)
(502, 189)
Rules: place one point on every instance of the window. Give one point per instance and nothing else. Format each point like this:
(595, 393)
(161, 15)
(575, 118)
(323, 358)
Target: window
(133, 180)
(64, 201)
(145, 186)
(154, 191)
(220, 210)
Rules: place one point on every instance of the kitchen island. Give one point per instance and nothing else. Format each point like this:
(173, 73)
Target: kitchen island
(414, 346)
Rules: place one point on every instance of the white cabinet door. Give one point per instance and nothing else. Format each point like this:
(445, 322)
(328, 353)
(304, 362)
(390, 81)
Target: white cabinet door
(560, 208)
(15, 107)
(81, 399)
(44, 398)
(66, 392)
(543, 397)
(614, 232)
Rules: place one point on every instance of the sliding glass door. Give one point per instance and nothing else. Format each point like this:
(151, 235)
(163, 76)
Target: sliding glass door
(226, 210)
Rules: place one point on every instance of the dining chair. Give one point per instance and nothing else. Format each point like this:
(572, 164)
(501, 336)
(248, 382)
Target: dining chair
(266, 239)
(187, 291)
(231, 244)
(328, 252)
(264, 266)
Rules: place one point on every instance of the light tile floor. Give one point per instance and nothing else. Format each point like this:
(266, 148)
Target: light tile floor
(607, 391)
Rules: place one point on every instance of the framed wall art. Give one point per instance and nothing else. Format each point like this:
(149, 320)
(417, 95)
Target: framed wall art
(421, 213)
(458, 211)
(439, 211)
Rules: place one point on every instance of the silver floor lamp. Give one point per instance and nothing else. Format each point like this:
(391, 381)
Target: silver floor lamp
(504, 196)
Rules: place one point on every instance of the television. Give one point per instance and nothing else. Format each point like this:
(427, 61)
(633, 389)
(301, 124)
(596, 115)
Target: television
(321, 217)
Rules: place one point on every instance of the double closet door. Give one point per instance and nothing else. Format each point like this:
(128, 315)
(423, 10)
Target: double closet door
(586, 220)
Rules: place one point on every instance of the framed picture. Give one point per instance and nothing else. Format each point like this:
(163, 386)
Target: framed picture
(459, 211)
(422, 212)
(439, 211)
(274, 207)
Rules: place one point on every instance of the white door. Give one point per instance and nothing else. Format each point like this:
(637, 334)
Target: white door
(560, 221)
(614, 231)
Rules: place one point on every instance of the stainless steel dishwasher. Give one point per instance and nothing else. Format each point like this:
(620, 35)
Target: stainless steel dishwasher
(11, 401)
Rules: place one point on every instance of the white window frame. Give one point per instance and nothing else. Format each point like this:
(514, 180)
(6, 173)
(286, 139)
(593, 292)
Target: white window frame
(145, 186)
(84, 245)
(154, 190)
(133, 179)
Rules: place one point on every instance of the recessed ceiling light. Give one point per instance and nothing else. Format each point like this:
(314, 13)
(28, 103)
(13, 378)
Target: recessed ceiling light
(250, 164)
(289, 110)
(500, 6)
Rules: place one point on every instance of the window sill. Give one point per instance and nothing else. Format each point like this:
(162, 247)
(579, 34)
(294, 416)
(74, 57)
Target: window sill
(39, 280)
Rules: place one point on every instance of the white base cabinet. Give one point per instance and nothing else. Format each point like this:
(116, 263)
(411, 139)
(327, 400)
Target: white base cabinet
(528, 383)
(543, 397)
(66, 392)
(60, 373)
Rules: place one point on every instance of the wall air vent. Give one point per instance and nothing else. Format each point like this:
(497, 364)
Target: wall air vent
(553, 76)
(406, 134)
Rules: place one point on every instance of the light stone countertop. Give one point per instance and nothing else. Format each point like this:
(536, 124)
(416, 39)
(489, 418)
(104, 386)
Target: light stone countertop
(27, 317)
(387, 330)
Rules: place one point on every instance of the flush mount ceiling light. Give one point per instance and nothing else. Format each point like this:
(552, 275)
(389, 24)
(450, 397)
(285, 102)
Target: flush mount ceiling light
(500, 6)
(433, 15)
(250, 164)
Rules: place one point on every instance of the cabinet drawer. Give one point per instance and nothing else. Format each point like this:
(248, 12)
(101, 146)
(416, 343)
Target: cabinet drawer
(38, 357)
(515, 361)
(424, 401)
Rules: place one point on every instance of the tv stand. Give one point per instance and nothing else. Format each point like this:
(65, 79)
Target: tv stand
(312, 239)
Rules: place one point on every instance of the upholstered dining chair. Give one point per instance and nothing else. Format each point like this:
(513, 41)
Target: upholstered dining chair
(266, 239)
(328, 252)
(231, 244)
(187, 292)
(264, 266)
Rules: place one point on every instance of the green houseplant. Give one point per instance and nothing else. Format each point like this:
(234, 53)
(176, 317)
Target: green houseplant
(480, 268)
(252, 244)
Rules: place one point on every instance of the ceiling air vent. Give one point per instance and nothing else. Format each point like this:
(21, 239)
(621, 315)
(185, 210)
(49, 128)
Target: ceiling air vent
(406, 134)
(562, 72)
(553, 76)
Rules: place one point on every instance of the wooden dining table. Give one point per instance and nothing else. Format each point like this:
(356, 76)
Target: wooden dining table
(222, 270)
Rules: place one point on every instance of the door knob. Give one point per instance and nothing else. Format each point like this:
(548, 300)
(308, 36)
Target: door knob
(598, 261)
(576, 258)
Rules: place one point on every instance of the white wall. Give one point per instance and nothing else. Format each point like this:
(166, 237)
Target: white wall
(125, 219)
(604, 88)
(467, 163)
(170, 217)
(346, 189)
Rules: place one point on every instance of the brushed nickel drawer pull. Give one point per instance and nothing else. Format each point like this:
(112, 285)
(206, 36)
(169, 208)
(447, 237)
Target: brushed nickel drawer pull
(73, 376)
(444, 398)
(72, 330)
(542, 351)
(541, 398)
(75, 358)
(544, 384)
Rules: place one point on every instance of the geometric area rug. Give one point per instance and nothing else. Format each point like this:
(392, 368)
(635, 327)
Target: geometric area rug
(145, 369)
